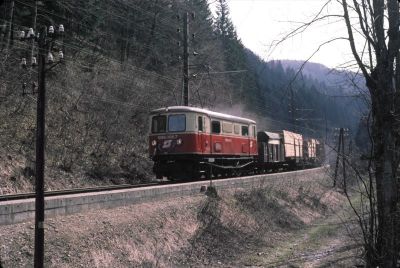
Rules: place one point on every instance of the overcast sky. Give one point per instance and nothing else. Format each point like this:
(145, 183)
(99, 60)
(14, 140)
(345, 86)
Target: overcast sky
(259, 22)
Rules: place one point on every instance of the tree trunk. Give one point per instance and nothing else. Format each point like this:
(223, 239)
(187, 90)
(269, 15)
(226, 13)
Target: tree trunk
(385, 171)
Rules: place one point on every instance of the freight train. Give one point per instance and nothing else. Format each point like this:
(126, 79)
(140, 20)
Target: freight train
(193, 143)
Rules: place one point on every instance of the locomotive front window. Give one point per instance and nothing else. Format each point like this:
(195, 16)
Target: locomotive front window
(176, 123)
(159, 124)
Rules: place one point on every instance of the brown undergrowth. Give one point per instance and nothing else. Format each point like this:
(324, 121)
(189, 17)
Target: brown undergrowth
(219, 229)
(242, 222)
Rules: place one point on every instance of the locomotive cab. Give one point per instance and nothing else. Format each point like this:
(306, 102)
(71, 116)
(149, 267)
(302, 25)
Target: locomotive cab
(187, 142)
(178, 133)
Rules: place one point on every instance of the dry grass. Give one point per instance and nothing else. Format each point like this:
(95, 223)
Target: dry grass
(228, 230)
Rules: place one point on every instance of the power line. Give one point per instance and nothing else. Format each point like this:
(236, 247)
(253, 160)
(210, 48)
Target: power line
(84, 51)
(93, 14)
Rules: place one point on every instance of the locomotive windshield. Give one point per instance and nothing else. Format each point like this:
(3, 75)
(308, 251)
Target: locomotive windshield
(176, 123)
(159, 124)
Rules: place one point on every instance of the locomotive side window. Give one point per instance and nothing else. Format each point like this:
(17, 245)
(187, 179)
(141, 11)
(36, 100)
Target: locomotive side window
(236, 129)
(254, 131)
(227, 127)
(245, 131)
(176, 123)
(159, 124)
(215, 127)
(200, 123)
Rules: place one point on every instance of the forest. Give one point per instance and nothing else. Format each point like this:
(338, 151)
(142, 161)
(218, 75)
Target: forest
(122, 59)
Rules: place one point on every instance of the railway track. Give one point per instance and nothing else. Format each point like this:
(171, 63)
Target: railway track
(22, 196)
(9, 197)
(18, 208)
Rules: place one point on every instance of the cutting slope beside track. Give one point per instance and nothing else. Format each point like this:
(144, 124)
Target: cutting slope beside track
(63, 203)
(248, 224)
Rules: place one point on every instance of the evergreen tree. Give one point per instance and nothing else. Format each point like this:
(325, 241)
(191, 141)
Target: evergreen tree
(246, 84)
(224, 25)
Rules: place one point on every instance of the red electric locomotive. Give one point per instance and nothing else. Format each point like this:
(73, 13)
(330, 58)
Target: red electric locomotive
(188, 142)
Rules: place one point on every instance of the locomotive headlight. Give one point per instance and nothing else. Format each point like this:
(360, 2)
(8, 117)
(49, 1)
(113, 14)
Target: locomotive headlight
(179, 141)
(154, 143)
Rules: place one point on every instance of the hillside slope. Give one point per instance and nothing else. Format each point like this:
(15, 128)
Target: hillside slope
(123, 59)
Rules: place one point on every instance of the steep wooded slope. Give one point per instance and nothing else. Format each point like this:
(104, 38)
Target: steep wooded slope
(123, 59)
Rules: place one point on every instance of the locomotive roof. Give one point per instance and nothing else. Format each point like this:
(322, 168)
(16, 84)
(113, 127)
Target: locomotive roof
(204, 111)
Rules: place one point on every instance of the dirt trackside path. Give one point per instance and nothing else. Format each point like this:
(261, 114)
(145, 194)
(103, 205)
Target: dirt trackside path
(324, 243)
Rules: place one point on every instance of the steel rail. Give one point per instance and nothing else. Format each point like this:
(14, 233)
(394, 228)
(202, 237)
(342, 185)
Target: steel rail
(21, 196)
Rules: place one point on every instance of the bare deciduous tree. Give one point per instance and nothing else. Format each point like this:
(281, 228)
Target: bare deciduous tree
(381, 74)
(378, 58)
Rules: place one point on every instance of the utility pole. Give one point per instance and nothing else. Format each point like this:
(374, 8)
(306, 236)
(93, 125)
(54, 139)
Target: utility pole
(40, 147)
(293, 119)
(326, 128)
(338, 155)
(341, 153)
(45, 45)
(185, 59)
(344, 164)
(345, 134)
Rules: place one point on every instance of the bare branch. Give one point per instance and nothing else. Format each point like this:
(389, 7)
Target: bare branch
(394, 38)
(352, 42)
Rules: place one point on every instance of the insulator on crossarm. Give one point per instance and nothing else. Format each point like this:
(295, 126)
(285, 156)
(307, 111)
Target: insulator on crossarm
(22, 35)
(31, 33)
(23, 63)
(61, 55)
(51, 30)
(33, 62)
(50, 58)
(61, 28)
